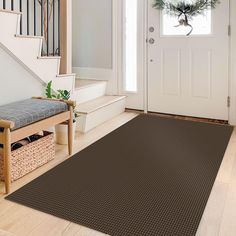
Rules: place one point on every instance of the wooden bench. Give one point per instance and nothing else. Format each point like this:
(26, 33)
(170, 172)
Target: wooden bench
(22, 119)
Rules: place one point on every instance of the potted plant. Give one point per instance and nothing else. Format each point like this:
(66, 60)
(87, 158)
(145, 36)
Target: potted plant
(61, 130)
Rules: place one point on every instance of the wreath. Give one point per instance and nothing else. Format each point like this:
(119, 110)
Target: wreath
(184, 10)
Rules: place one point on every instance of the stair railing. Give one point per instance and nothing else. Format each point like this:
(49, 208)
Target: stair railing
(39, 18)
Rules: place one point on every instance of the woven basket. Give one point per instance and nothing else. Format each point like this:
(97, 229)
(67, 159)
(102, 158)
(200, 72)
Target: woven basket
(31, 156)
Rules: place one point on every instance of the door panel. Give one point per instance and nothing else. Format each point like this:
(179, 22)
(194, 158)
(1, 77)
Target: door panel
(200, 69)
(189, 75)
(170, 79)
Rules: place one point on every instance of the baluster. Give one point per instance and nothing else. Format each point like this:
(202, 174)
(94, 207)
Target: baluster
(27, 14)
(35, 18)
(47, 27)
(42, 20)
(42, 5)
(20, 8)
(59, 28)
(53, 25)
(12, 5)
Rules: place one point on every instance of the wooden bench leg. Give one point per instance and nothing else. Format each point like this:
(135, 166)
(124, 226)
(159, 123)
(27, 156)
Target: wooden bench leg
(7, 159)
(70, 132)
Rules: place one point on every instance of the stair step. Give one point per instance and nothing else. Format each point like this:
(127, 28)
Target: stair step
(10, 11)
(86, 90)
(98, 111)
(84, 83)
(49, 57)
(94, 105)
(63, 75)
(29, 36)
(65, 82)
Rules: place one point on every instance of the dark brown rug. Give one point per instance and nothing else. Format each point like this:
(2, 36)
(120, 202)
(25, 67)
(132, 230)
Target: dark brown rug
(152, 176)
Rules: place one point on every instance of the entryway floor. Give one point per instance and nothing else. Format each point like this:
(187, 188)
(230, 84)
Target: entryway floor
(218, 219)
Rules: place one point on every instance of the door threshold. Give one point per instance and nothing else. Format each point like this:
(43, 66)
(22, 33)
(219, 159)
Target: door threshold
(181, 117)
(191, 118)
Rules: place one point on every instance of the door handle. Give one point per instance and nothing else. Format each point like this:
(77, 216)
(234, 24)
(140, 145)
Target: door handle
(151, 40)
(151, 29)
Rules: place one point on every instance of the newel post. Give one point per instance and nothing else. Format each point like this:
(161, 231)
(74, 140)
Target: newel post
(66, 36)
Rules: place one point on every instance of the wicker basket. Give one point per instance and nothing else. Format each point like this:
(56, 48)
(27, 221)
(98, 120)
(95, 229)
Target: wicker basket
(31, 156)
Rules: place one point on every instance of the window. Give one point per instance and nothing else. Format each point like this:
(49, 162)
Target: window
(201, 25)
(130, 45)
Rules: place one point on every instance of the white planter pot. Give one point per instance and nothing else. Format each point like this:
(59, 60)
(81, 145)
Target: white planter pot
(61, 131)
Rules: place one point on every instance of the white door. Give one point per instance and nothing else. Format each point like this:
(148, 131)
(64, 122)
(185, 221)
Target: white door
(188, 75)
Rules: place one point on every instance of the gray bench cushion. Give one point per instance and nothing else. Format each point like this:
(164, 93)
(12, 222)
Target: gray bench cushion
(28, 111)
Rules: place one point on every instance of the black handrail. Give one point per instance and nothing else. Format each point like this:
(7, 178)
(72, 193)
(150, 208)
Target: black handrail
(39, 17)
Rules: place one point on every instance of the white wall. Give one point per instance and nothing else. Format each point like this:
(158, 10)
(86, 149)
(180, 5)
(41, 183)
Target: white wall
(15, 82)
(92, 36)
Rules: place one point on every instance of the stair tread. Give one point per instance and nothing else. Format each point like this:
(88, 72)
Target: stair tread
(97, 103)
(65, 75)
(10, 11)
(28, 36)
(83, 83)
(49, 57)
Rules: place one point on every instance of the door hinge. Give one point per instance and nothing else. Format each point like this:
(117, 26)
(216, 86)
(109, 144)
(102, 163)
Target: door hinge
(228, 102)
(229, 30)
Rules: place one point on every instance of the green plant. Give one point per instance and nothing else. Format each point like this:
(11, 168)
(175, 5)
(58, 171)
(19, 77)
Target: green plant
(59, 94)
(48, 91)
(64, 94)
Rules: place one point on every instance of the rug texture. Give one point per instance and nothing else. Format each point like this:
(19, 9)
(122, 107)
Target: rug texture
(152, 176)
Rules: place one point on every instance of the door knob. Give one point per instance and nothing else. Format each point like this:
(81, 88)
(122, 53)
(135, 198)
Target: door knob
(151, 29)
(151, 41)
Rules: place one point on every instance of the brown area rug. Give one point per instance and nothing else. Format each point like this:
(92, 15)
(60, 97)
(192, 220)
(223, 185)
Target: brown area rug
(152, 176)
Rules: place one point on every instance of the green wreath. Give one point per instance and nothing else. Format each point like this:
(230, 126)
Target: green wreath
(185, 10)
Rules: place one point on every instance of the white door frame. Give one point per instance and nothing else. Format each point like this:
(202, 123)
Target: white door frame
(116, 84)
(118, 58)
(232, 64)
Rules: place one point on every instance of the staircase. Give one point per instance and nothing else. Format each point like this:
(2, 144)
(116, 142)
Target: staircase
(27, 50)
(93, 105)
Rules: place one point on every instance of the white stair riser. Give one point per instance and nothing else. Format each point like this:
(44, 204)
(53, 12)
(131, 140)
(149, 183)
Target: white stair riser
(9, 22)
(90, 92)
(86, 122)
(27, 50)
(65, 83)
